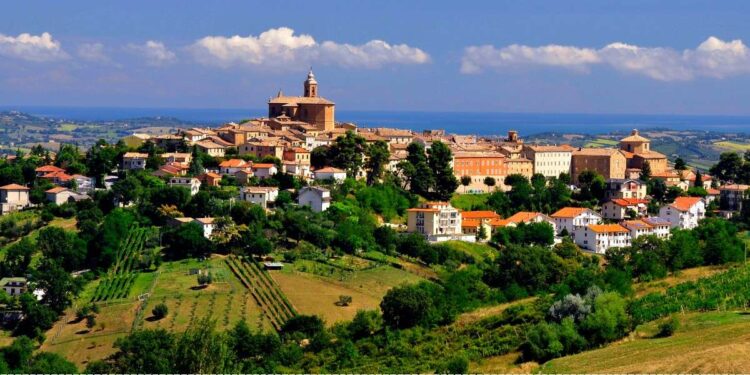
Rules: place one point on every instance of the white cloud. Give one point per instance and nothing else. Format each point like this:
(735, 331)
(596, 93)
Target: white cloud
(281, 47)
(38, 48)
(712, 58)
(93, 52)
(154, 52)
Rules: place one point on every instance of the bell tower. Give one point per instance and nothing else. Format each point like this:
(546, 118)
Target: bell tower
(311, 85)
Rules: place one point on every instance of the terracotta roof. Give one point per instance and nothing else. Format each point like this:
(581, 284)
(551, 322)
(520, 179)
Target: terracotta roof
(209, 144)
(592, 151)
(636, 224)
(299, 100)
(212, 175)
(634, 137)
(684, 203)
(569, 212)
(479, 215)
(205, 220)
(657, 221)
(625, 202)
(58, 175)
(737, 187)
(56, 189)
(263, 165)
(470, 223)
(650, 155)
(13, 187)
(49, 168)
(713, 191)
(423, 210)
(523, 216)
(233, 163)
(330, 170)
(607, 228)
(550, 148)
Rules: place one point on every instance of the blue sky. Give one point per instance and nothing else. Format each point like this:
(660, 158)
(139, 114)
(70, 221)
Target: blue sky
(685, 57)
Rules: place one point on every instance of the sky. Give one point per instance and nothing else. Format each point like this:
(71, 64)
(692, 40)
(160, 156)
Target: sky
(635, 57)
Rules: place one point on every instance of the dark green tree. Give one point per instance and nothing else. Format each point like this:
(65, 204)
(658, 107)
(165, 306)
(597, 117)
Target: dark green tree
(346, 153)
(440, 159)
(378, 154)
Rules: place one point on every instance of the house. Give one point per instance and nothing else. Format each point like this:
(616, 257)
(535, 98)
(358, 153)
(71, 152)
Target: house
(528, 218)
(599, 238)
(472, 223)
(661, 227)
(438, 221)
(264, 170)
(298, 155)
(208, 225)
(638, 228)
(211, 148)
(570, 218)
(190, 183)
(316, 197)
(83, 184)
(549, 161)
(623, 208)
(134, 160)
(297, 169)
(263, 148)
(243, 177)
(626, 188)
(13, 197)
(684, 212)
(713, 195)
(58, 195)
(330, 173)
(45, 169)
(232, 166)
(57, 178)
(264, 196)
(732, 195)
(14, 286)
(177, 157)
(210, 179)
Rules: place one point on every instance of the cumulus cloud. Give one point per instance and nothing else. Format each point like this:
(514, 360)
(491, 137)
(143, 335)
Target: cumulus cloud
(281, 47)
(154, 52)
(93, 52)
(713, 58)
(37, 48)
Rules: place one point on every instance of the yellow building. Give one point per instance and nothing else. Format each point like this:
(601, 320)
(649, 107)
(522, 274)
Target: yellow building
(434, 219)
(310, 108)
(637, 149)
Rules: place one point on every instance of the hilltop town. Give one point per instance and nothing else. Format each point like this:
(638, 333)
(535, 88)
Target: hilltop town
(310, 245)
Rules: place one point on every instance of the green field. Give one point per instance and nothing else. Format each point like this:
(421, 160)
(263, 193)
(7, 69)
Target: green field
(601, 142)
(732, 146)
(713, 342)
(67, 127)
(479, 251)
(468, 202)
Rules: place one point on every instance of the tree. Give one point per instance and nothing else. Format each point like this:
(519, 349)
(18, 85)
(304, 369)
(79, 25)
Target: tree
(729, 167)
(196, 163)
(645, 171)
(203, 350)
(186, 241)
(160, 311)
(204, 279)
(58, 285)
(465, 181)
(409, 305)
(490, 182)
(679, 164)
(344, 300)
(440, 159)
(416, 170)
(64, 246)
(128, 189)
(346, 153)
(593, 185)
(698, 179)
(377, 158)
(90, 321)
(319, 157)
(306, 325)
(50, 363)
(145, 351)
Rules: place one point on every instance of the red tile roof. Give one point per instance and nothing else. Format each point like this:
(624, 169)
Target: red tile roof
(13, 187)
(569, 212)
(684, 203)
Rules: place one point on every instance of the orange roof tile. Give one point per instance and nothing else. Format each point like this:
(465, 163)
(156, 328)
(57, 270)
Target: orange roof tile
(56, 190)
(470, 223)
(423, 210)
(607, 228)
(569, 212)
(625, 202)
(49, 168)
(233, 163)
(13, 187)
(684, 203)
(479, 215)
(263, 166)
(523, 216)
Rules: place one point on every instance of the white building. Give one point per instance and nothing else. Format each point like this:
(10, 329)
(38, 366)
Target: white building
(84, 184)
(601, 237)
(638, 228)
(570, 218)
(330, 173)
(685, 212)
(191, 183)
(549, 161)
(316, 197)
(13, 197)
(232, 166)
(438, 221)
(622, 208)
(264, 196)
(208, 225)
(60, 195)
(263, 171)
(661, 226)
(134, 160)
(14, 286)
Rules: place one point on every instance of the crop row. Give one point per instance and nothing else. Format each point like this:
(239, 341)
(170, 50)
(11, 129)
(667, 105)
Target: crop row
(114, 287)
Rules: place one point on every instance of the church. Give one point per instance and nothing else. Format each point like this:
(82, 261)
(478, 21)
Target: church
(309, 109)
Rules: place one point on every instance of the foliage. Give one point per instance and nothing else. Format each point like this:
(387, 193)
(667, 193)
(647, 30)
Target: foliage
(160, 311)
(540, 234)
(668, 327)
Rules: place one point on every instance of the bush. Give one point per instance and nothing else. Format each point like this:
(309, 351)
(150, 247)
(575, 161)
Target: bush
(669, 327)
(205, 279)
(344, 300)
(456, 365)
(160, 311)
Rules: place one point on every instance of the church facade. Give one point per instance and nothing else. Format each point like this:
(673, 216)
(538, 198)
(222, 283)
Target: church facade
(309, 108)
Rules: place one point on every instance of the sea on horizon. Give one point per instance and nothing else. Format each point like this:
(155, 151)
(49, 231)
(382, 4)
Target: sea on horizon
(479, 123)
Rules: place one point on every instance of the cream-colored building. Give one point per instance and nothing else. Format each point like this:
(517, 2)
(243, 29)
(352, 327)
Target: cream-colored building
(434, 220)
(13, 197)
(549, 161)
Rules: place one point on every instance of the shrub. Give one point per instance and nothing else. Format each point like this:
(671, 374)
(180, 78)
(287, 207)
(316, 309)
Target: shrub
(160, 311)
(669, 327)
(344, 300)
(205, 279)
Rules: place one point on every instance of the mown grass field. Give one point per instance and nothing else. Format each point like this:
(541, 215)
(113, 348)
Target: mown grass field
(732, 146)
(317, 293)
(713, 342)
(467, 202)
